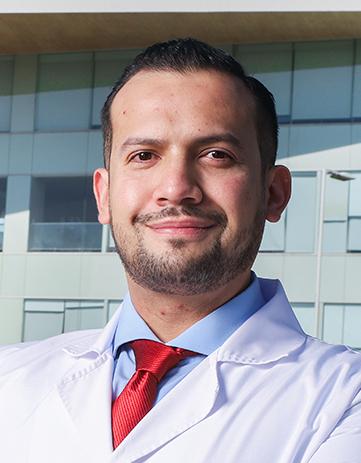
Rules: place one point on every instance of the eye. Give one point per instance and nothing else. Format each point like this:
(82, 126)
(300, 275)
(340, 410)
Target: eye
(143, 156)
(217, 154)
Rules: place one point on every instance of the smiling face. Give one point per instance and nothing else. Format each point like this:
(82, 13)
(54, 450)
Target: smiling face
(185, 196)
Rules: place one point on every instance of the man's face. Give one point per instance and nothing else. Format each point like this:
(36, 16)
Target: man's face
(184, 196)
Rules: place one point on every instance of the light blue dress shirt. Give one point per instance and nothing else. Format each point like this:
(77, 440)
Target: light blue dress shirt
(203, 337)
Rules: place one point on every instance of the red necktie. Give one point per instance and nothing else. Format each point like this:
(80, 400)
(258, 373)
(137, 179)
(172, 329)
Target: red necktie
(153, 361)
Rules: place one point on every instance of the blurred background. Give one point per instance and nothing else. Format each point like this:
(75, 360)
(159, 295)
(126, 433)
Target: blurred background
(58, 268)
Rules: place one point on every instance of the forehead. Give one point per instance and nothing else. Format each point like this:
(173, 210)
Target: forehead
(213, 92)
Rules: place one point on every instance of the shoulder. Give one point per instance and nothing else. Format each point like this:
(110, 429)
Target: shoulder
(332, 370)
(24, 355)
(332, 355)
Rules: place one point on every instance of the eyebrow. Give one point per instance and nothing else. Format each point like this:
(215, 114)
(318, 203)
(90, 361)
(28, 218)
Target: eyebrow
(226, 137)
(137, 141)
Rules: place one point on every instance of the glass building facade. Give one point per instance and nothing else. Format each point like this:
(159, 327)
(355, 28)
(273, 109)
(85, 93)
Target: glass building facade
(58, 268)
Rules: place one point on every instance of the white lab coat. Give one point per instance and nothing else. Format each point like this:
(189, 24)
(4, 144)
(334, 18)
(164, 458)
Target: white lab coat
(269, 394)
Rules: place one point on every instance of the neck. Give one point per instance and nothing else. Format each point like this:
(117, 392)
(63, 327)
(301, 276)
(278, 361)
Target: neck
(168, 315)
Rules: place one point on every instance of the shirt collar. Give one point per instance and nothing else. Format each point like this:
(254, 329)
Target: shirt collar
(203, 337)
(270, 334)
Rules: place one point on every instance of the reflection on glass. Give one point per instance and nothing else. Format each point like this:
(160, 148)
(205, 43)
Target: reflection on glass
(67, 236)
(63, 215)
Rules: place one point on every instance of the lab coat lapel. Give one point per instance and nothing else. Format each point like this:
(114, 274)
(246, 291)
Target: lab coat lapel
(86, 391)
(178, 411)
(86, 395)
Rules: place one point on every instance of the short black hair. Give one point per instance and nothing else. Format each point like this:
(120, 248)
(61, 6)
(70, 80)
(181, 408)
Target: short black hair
(191, 55)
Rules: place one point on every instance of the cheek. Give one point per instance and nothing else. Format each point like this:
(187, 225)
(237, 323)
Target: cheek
(239, 199)
(235, 194)
(127, 198)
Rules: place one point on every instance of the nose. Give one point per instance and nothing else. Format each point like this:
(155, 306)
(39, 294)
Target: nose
(178, 183)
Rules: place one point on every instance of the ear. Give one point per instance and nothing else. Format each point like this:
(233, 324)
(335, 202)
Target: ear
(101, 192)
(279, 192)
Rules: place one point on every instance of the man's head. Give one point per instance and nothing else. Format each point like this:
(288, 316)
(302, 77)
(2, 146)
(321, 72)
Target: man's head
(190, 55)
(189, 180)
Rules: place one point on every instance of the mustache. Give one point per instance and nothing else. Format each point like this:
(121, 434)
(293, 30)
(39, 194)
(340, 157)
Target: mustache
(189, 211)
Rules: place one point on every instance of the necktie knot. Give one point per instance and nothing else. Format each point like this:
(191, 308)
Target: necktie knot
(157, 358)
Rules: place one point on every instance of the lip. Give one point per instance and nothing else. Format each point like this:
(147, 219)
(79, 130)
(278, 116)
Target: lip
(187, 223)
(187, 228)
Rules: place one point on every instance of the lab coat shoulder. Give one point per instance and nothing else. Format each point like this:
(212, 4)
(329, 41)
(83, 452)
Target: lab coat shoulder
(334, 373)
(46, 352)
(43, 388)
(30, 371)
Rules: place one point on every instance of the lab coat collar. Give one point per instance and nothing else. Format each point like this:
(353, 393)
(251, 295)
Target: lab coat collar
(270, 334)
(86, 391)
(87, 394)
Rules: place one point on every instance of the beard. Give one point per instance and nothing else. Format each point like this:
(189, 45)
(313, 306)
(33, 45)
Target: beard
(175, 272)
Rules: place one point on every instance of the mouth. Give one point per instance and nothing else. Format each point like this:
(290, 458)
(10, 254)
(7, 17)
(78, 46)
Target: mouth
(187, 228)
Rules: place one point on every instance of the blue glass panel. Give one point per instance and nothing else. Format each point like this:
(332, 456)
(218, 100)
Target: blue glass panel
(333, 321)
(355, 194)
(354, 234)
(334, 236)
(356, 100)
(109, 65)
(308, 138)
(63, 97)
(66, 236)
(274, 236)
(41, 325)
(352, 326)
(306, 316)
(271, 64)
(6, 81)
(336, 199)
(301, 214)
(322, 80)
(81, 315)
(112, 307)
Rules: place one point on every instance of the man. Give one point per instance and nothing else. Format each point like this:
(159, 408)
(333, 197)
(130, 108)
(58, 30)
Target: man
(225, 373)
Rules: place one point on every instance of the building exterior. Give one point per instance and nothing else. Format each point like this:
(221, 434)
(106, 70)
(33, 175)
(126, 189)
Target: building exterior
(58, 268)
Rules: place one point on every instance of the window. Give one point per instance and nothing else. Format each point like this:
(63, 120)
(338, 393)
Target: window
(301, 213)
(342, 324)
(45, 318)
(64, 91)
(306, 316)
(295, 231)
(109, 65)
(274, 236)
(322, 80)
(356, 100)
(112, 307)
(3, 183)
(354, 213)
(63, 215)
(309, 138)
(272, 65)
(6, 83)
(335, 215)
